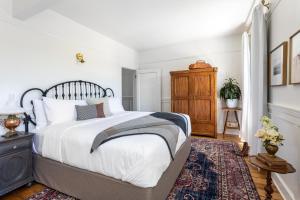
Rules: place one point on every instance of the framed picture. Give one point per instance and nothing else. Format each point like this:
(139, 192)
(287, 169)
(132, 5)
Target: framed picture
(295, 58)
(278, 65)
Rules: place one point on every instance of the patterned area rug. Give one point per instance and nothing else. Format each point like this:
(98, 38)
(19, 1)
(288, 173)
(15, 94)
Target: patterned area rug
(215, 170)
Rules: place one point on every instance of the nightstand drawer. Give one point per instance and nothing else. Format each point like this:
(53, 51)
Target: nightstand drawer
(15, 145)
(15, 162)
(16, 170)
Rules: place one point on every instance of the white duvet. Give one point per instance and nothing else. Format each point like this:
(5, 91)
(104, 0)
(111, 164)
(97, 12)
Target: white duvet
(139, 159)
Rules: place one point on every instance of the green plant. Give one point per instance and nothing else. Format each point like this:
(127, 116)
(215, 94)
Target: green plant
(230, 89)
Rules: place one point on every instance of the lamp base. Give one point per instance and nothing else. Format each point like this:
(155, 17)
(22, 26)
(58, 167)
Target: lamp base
(10, 134)
(11, 123)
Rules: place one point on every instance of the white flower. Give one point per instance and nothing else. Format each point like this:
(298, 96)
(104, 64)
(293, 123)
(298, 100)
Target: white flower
(269, 133)
(260, 133)
(273, 133)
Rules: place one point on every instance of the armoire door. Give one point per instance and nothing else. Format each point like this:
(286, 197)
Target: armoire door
(180, 93)
(202, 102)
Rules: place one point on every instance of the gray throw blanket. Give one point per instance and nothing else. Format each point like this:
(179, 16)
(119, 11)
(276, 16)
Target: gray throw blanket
(160, 124)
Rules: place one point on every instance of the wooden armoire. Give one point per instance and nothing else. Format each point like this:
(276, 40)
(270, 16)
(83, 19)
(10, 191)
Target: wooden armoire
(194, 92)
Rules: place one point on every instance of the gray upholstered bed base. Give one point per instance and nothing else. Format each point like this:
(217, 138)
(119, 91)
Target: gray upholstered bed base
(88, 185)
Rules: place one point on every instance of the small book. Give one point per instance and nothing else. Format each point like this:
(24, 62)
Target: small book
(232, 125)
(270, 160)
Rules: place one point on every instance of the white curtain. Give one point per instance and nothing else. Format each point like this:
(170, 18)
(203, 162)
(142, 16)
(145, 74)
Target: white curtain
(255, 80)
(246, 86)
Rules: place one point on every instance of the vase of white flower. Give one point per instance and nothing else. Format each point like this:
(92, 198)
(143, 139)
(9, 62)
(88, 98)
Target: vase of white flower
(270, 136)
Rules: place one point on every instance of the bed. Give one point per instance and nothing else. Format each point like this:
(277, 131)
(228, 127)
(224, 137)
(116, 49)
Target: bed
(135, 167)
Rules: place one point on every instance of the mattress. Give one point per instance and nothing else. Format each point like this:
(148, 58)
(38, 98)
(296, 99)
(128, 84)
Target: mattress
(140, 160)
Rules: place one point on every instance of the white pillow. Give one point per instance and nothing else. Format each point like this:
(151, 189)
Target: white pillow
(58, 110)
(93, 101)
(111, 105)
(40, 115)
(114, 106)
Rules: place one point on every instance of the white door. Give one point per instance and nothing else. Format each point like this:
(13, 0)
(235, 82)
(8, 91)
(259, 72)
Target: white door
(149, 90)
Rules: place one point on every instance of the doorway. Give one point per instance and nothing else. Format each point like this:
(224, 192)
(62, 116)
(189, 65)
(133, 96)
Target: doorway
(129, 89)
(149, 90)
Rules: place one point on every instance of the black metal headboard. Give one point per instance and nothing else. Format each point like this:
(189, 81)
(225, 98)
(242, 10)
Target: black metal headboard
(77, 89)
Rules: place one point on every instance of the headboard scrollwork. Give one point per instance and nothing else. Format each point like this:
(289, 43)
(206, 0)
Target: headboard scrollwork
(72, 90)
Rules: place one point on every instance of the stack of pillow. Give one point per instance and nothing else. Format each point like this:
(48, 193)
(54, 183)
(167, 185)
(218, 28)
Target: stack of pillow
(50, 111)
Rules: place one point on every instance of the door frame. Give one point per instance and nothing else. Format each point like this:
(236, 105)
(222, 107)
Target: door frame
(133, 87)
(158, 86)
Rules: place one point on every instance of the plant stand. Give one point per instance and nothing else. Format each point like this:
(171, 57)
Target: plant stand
(227, 111)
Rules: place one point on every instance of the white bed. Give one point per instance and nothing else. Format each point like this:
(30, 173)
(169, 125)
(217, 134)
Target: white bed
(140, 160)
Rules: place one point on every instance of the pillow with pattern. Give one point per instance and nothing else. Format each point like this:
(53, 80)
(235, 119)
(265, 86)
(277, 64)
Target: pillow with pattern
(89, 112)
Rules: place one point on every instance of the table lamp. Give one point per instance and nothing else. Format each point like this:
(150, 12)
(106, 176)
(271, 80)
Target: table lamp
(12, 121)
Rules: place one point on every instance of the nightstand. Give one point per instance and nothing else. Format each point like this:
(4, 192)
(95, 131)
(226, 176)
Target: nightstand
(15, 162)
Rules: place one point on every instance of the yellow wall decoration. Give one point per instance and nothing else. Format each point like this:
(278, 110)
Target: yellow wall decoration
(80, 57)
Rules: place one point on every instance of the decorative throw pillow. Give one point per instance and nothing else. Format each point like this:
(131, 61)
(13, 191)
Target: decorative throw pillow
(111, 105)
(59, 111)
(89, 111)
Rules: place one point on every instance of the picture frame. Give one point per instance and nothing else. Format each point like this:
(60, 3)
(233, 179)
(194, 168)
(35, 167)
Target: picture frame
(278, 58)
(294, 58)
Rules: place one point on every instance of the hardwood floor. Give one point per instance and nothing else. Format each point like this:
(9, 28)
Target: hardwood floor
(24, 192)
(258, 178)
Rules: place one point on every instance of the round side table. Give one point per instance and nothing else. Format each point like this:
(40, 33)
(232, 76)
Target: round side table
(287, 168)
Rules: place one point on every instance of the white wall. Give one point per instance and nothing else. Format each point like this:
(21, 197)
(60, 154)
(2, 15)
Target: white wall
(285, 106)
(40, 52)
(224, 53)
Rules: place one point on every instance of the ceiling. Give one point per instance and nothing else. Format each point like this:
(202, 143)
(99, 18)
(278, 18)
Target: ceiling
(146, 24)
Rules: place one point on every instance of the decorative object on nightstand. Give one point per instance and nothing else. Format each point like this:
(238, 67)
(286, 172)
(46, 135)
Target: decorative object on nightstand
(15, 162)
(231, 125)
(270, 136)
(12, 121)
(281, 166)
(231, 93)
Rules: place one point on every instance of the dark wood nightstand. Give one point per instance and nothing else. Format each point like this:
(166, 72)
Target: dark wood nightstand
(15, 162)
(287, 168)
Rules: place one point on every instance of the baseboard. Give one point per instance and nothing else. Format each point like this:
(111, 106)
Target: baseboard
(283, 189)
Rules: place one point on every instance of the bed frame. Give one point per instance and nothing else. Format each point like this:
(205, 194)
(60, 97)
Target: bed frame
(77, 89)
(87, 185)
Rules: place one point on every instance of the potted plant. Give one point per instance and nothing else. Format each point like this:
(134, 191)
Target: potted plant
(270, 136)
(231, 93)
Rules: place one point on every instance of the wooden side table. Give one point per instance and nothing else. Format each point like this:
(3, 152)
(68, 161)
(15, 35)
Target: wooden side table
(288, 168)
(227, 111)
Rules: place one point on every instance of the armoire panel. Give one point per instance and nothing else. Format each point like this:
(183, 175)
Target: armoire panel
(180, 106)
(200, 84)
(180, 86)
(200, 110)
